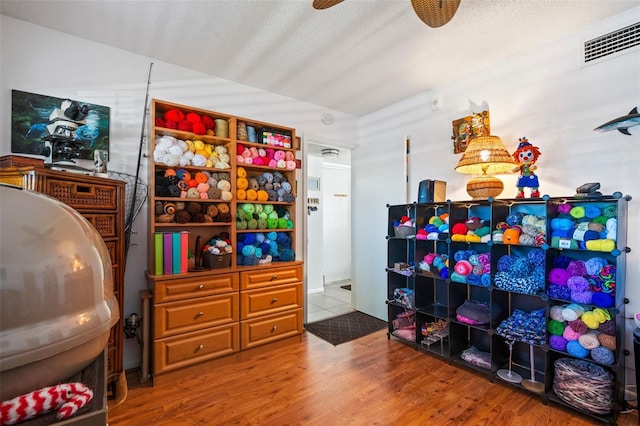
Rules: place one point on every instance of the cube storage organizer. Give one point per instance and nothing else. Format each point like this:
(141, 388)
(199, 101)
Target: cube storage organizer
(551, 271)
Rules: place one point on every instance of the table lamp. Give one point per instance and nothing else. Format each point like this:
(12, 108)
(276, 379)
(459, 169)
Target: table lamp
(485, 155)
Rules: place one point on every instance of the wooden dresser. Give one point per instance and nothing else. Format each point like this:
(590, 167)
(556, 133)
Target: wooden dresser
(102, 202)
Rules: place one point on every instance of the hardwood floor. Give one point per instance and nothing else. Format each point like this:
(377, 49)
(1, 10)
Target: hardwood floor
(370, 381)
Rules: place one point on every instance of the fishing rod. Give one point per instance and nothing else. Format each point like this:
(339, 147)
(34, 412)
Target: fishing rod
(129, 219)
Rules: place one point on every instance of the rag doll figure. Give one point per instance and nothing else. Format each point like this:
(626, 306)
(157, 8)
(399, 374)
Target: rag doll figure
(526, 156)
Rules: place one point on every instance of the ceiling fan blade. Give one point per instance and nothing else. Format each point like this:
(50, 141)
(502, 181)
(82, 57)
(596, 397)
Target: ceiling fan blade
(325, 4)
(435, 13)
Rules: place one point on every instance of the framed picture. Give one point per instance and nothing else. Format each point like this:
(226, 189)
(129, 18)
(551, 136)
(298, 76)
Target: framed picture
(32, 113)
(313, 184)
(467, 128)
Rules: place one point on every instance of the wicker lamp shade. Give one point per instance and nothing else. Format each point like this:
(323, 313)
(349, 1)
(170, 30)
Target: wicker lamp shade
(435, 13)
(485, 155)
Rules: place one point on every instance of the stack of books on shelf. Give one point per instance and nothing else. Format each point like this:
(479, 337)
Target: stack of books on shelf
(171, 252)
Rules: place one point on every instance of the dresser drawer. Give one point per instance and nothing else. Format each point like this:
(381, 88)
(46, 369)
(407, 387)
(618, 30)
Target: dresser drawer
(81, 195)
(105, 224)
(270, 300)
(188, 349)
(267, 329)
(191, 315)
(260, 278)
(189, 288)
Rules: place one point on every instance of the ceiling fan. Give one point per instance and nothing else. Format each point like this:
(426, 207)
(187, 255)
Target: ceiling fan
(434, 13)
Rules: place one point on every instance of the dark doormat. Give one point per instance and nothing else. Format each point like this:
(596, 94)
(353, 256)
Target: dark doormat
(345, 328)
(346, 287)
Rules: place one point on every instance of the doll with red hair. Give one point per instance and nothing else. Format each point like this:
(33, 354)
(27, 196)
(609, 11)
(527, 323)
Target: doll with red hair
(526, 156)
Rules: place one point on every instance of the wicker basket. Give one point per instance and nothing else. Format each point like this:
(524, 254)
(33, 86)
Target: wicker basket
(216, 261)
(404, 231)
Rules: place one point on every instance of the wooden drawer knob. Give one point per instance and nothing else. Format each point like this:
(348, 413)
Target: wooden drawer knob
(274, 277)
(274, 300)
(199, 348)
(199, 314)
(201, 286)
(274, 328)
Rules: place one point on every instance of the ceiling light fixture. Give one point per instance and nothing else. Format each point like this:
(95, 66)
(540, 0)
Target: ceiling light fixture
(330, 152)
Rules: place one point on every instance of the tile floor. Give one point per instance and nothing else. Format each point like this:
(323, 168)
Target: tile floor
(332, 302)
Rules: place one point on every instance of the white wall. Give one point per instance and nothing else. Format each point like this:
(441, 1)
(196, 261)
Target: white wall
(103, 75)
(315, 253)
(543, 94)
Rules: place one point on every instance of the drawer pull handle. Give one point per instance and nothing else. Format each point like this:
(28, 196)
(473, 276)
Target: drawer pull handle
(274, 277)
(199, 314)
(274, 300)
(201, 286)
(199, 348)
(275, 327)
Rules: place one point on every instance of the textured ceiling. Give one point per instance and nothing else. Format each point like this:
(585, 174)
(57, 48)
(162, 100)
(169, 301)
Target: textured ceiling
(355, 57)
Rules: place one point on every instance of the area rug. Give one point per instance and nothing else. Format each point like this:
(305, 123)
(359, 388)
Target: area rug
(345, 328)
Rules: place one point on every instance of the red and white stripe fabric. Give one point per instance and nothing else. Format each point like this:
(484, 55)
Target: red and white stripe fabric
(67, 398)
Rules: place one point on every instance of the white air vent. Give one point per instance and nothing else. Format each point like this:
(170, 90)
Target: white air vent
(614, 42)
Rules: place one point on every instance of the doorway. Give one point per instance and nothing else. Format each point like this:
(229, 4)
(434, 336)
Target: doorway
(329, 288)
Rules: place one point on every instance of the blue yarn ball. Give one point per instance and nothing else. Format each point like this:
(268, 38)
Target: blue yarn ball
(576, 349)
(282, 238)
(486, 280)
(258, 252)
(239, 247)
(561, 262)
(602, 300)
(271, 236)
(521, 267)
(266, 248)
(474, 279)
(538, 276)
(460, 255)
(287, 255)
(248, 250)
(559, 292)
(444, 273)
(505, 262)
(249, 239)
(260, 238)
(239, 259)
(250, 260)
(602, 355)
(514, 218)
(558, 343)
(537, 257)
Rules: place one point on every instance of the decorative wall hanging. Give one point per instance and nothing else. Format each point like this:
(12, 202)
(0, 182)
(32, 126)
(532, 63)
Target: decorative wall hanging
(466, 128)
(74, 128)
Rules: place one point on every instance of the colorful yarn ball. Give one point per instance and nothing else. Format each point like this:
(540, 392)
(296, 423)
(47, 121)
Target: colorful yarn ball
(514, 218)
(602, 355)
(595, 283)
(577, 267)
(473, 259)
(559, 292)
(584, 297)
(608, 327)
(561, 262)
(591, 212)
(463, 267)
(505, 262)
(607, 341)
(556, 328)
(589, 340)
(558, 343)
(564, 208)
(594, 265)
(578, 326)
(555, 313)
(591, 320)
(602, 300)
(570, 334)
(559, 276)
(610, 211)
(521, 267)
(608, 286)
(572, 312)
(575, 349)
(537, 257)
(578, 283)
(607, 273)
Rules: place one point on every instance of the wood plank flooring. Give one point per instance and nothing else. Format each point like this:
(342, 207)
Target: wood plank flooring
(369, 381)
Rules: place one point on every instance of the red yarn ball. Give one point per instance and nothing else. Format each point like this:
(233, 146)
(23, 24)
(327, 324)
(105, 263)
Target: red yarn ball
(208, 122)
(459, 228)
(192, 117)
(171, 124)
(174, 115)
(199, 128)
(160, 122)
(185, 125)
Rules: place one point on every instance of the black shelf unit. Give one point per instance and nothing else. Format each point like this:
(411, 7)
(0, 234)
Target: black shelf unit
(546, 242)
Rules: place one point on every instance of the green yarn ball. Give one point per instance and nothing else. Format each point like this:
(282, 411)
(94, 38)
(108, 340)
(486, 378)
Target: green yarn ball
(555, 327)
